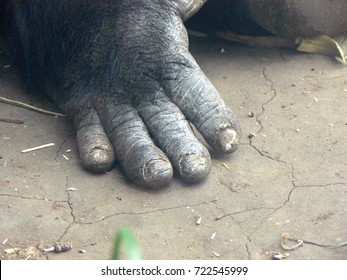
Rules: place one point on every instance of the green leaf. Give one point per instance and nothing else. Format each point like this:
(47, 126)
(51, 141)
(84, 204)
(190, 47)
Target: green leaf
(126, 238)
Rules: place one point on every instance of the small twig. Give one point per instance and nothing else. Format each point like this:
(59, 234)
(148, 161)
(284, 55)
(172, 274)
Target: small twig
(64, 156)
(37, 148)
(11, 121)
(221, 217)
(257, 41)
(30, 107)
(227, 167)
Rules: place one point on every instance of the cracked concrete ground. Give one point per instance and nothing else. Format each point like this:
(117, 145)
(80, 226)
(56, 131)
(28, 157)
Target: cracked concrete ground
(288, 176)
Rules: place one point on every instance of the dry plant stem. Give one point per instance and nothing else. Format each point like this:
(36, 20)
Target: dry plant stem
(37, 148)
(11, 121)
(27, 106)
(258, 41)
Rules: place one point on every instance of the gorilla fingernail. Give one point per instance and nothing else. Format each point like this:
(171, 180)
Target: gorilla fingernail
(227, 140)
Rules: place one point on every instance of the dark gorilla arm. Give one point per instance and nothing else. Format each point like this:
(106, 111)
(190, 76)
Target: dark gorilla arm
(122, 71)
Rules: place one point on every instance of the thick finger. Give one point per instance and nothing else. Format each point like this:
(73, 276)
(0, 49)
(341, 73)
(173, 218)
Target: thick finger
(96, 151)
(200, 102)
(141, 160)
(170, 129)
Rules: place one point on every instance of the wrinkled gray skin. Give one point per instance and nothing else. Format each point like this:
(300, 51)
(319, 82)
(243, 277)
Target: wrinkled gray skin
(122, 71)
(143, 121)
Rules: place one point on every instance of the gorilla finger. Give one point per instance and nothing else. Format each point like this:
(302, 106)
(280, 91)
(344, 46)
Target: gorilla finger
(200, 102)
(96, 151)
(172, 132)
(141, 160)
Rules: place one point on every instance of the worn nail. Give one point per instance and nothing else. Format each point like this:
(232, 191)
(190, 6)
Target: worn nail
(227, 140)
(194, 168)
(157, 173)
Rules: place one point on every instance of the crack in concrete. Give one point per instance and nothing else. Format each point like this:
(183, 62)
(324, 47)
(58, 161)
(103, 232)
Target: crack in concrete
(322, 185)
(148, 212)
(230, 215)
(244, 234)
(292, 170)
(66, 189)
(33, 198)
(274, 91)
(274, 94)
(292, 173)
(241, 212)
(261, 153)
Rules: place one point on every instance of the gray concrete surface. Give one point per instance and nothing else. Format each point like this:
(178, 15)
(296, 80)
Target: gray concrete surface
(290, 178)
